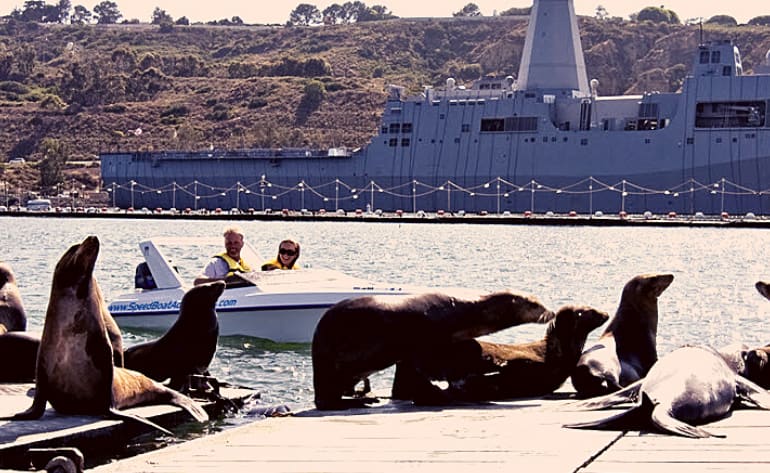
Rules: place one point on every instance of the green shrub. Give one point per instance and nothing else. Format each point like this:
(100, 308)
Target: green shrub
(14, 87)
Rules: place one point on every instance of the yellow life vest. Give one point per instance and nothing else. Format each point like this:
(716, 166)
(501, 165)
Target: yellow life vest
(239, 266)
(275, 264)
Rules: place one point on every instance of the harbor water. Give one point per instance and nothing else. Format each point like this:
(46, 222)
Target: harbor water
(711, 300)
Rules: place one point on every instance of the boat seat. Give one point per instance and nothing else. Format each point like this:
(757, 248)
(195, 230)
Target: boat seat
(143, 277)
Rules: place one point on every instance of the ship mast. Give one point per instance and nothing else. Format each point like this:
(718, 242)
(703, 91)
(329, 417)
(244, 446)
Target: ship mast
(553, 56)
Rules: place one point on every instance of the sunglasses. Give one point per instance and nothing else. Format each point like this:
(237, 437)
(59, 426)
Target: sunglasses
(287, 252)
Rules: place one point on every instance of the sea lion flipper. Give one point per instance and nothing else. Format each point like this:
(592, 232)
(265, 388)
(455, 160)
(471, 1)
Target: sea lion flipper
(662, 418)
(751, 392)
(35, 411)
(188, 404)
(116, 414)
(624, 421)
(627, 394)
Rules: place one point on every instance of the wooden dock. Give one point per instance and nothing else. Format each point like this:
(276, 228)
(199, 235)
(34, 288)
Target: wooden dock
(508, 436)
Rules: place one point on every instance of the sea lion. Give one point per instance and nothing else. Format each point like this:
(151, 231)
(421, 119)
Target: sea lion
(75, 370)
(188, 346)
(692, 385)
(757, 360)
(12, 315)
(18, 350)
(360, 336)
(484, 371)
(628, 347)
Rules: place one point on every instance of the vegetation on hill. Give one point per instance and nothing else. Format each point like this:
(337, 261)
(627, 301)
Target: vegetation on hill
(85, 89)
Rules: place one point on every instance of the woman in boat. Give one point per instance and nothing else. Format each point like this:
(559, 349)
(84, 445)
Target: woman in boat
(288, 254)
(226, 264)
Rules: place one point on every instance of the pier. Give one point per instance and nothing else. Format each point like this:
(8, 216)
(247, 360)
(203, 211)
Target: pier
(524, 435)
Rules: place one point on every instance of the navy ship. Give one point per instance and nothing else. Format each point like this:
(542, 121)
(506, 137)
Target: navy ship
(544, 141)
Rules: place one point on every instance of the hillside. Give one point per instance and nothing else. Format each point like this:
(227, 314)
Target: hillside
(135, 87)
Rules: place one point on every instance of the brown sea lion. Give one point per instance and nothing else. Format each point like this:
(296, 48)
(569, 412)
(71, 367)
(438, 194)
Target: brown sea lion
(757, 360)
(75, 370)
(12, 315)
(688, 387)
(18, 350)
(358, 337)
(188, 346)
(627, 349)
(484, 371)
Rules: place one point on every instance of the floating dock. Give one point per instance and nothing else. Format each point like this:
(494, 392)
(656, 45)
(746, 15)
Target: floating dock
(525, 435)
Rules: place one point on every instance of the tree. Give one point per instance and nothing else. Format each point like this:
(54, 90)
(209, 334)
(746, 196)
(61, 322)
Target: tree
(305, 15)
(724, 20)
(657, 15)
(183, 21)
(160, 17)
(601, 13)
(107, 13)
(470, 9)
(375, 13)
(63, 9)
(763, 20)
(81, 15)
(55, 155)
(334, 14)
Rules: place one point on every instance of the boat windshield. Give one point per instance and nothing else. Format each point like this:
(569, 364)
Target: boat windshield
(188, 256)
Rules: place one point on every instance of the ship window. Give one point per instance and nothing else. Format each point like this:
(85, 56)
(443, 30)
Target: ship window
(405, 141)
(492, 124)
(716, 57)
(457, 140)
(483, 86)
(465, 128)
(751, 135)
(583, 141)
(704, 57)
(395, 127)
(545, 139)
(566, 139)
(719, 140)
(436, 103)
(496, 86)
(727, 71)
(529, 95)
(647, 141)
(395, 111)
(406, 128)
(393, 142)
(735, 140)
(738, 114)
(691, 141)
(384, 129)
(441, 116)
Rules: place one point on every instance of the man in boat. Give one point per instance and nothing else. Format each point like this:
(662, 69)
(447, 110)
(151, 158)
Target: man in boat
(226, 265)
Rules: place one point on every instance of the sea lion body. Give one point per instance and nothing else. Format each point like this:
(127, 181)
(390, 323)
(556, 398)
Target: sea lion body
(19, 352)
(13, 318)
(485, 371)
(690, 386)
(188, 346)
(627, 349)
(75, 370)
(358, 337)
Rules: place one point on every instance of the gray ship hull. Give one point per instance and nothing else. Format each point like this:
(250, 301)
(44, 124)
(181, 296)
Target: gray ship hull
(538, 144)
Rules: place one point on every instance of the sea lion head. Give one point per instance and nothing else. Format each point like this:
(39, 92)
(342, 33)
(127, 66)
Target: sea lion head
(75, 268)
(201, 297)
(12, 314)
(647, 287)
(758, 367)
(571, 327)
(763, 288)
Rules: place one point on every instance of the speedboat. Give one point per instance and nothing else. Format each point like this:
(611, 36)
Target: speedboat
(282, 306)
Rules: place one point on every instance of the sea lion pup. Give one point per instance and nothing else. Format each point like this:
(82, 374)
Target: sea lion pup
(75, 371)
(18, 350)
(628, 347)
(188, 346)
(690, 386)
(360, 336)
(484, 371)
(12, 315)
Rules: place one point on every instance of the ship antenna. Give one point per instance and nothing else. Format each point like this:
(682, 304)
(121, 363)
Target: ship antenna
(700, 30)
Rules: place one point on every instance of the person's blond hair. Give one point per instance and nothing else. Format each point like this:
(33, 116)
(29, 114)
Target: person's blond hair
(233, 229)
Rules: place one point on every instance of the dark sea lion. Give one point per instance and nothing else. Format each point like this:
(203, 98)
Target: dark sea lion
(484, 371)
(12, 315)
(358, 337)
(75, 370)
(757, 360)
(690, 386)
(18, 350)
(188, 346)
(628, 347)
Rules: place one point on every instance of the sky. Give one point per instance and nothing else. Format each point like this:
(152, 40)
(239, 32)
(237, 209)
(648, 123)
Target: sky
(277, 11)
